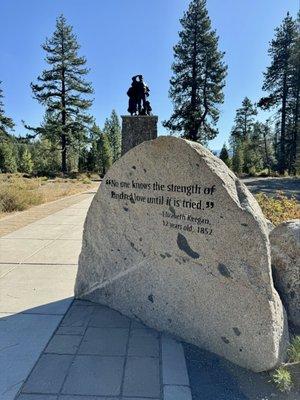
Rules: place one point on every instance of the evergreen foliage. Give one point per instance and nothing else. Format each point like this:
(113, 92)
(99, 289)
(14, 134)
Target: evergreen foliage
(238, 158)
(282, 82)
(93, 158)
(25, 162)
(6, 123)
(46, 158)
(241, 134)
(244, 121)
(252, 142)
(196, 87)
(105, 156)
(112, 129)
(62, 90)
(8, 160)
(224, 156)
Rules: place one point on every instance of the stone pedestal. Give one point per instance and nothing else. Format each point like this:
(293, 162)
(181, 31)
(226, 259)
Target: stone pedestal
(137, 129)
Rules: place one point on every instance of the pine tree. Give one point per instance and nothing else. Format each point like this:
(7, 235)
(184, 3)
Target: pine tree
(104, 154)
(93, 158)
(240, 136)
(279, 82)
(244, 120)
(295, 105)
(196, 87)
(6, 123)
(224, 156)
(26, 163)
(112, 128)
(238, 159)
(8, 162)
(262, 146)
(46, 158)
(252, 151)
(62, 88)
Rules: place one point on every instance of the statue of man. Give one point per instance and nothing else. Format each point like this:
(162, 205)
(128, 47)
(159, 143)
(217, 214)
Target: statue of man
(132, 93)
(138, 93)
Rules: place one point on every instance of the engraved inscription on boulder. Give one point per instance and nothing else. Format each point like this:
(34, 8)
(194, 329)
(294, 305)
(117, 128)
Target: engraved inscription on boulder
(175, 240)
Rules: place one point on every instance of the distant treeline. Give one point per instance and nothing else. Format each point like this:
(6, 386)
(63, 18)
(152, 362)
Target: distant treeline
(273, 145)
(42, 156)
(69, 140)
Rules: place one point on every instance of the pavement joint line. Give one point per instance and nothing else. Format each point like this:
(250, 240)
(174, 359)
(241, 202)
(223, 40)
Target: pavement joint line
(56, 238)
(125, 359)
(35, 252)
(42, 352)
(29, 313)
(181, 363)
(92, 397)
(43, 247)
(46, 225)
(37, 313)
(76, 353)
(41, 263)
(98, 355)
(176, 384)
(21, 238)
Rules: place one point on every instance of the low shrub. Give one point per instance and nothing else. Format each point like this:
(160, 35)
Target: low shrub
(279, 208)
(263, 173)
(14, 198)
(282, 378)
(86, 181)
(294, 350)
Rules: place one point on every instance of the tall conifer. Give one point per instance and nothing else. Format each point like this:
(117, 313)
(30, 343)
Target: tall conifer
(281, 81)
(112, 128)
(196, 87)
(63, 89)
(244, 120)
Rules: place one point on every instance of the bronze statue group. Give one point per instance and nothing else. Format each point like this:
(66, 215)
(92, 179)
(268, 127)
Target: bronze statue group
(138, 94)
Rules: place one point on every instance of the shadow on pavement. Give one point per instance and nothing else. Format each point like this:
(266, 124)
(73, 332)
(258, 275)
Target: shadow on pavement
(214, 378)
(23, 337)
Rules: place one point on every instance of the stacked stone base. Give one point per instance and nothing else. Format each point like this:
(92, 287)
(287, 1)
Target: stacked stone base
(137, 129)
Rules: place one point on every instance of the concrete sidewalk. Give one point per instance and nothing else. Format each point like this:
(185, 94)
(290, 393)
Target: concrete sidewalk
(91, 350)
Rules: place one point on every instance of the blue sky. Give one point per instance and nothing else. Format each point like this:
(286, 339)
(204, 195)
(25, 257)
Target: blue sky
(121, 38)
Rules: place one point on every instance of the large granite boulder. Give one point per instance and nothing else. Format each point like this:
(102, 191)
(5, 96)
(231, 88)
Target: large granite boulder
(175, 240)
(285, 245)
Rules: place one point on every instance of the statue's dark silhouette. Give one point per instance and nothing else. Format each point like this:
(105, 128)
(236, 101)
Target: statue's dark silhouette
(138, 93)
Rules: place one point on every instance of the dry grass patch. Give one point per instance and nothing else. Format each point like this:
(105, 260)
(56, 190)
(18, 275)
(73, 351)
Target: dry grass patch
(17, 193)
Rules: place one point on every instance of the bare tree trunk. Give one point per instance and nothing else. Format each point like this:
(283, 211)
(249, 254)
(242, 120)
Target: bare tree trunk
(297, 128)
(64, 168)
(266, 150)
(282, 158)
